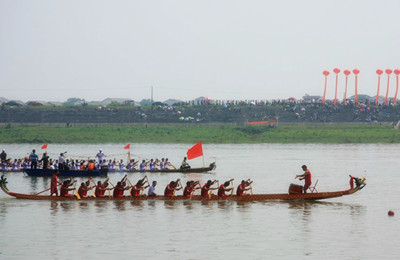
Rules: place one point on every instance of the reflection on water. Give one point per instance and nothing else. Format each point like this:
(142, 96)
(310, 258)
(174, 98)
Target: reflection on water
(244, 205)
(152, 203)
(188, 204)
(34, 183)
(119, 204)
(169, 204)
(101, 205)
(67, 206)
(54, 207)
(137, 203)
(83, 205)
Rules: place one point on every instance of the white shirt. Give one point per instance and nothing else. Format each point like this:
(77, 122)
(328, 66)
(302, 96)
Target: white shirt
(100, 156)
(151, 191)
(61, 159)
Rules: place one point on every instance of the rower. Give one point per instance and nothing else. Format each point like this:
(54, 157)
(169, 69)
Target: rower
(138, 187)
(306, 176)
(240, 191)
(142, 166)
(167, 163)
(121, 165)
(54, 183)
(208, 187)
(65, 188)
(82, 191)
(120, 188)
(191, 187)
(101, 188)
(152, 165)
(172, 187)
(162, 164)
(224, 188)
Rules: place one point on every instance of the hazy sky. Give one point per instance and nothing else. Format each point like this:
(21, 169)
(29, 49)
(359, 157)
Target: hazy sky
(227, 49)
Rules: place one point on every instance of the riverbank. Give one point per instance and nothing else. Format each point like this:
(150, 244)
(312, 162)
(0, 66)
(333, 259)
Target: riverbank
(307, 133)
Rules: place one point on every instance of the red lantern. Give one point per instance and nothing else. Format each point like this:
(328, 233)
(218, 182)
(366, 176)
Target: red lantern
(325, 72)
(336, 70)
(356, 71)
(379, 72)
(347, 72)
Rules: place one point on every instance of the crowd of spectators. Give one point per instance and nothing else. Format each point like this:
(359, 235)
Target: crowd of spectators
(215, 111)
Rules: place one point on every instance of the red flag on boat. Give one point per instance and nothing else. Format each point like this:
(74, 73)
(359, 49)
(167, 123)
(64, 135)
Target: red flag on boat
(44, 146)
(195, 151)
(128, 146)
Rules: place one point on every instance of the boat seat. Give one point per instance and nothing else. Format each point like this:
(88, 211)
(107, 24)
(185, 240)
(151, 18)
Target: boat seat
(313, 189)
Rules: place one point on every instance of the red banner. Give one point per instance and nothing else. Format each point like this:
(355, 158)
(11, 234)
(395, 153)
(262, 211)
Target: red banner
(195, 151)
(128, 146)
(44, 146)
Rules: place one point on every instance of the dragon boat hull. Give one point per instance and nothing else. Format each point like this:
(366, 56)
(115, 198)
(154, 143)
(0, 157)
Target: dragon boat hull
(190, 170)
(65, 173)
(255, 197)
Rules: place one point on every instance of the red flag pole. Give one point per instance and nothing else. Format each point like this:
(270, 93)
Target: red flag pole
(346, 73)
(397, 72)
(326, 73)
(379, 72)
(337, 71)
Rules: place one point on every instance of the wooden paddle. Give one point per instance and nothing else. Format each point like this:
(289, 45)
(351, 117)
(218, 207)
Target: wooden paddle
(178, 185)
(42, 191)
(233, 186)
(76, 192)
(251, 188)
(130, 194)
(148, 184)
(211, 189)
(109, 191)
(93, 193)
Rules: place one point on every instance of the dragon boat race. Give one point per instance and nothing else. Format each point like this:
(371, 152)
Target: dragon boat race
(199, 129)
(279, 228)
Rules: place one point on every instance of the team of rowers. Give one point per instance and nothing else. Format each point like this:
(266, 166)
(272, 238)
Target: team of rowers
(138, 189)
(62, 163)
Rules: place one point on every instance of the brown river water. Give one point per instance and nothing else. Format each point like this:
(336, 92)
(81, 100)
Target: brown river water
(349, 227)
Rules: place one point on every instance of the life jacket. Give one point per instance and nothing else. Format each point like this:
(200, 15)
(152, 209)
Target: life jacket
(90, 166)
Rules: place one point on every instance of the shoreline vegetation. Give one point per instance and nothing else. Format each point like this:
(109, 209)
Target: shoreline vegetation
(186, 133)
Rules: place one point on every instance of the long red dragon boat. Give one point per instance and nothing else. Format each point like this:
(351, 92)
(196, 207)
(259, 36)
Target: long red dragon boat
(360, 183)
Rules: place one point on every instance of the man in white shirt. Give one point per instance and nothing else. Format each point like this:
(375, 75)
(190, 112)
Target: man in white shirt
(100, 156)
(152, 189)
